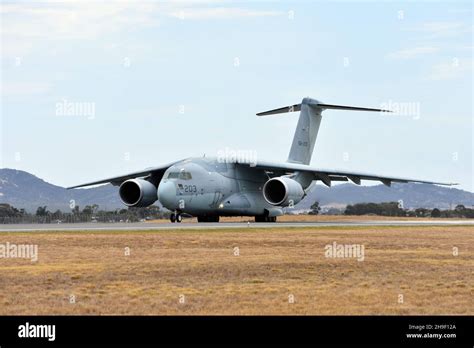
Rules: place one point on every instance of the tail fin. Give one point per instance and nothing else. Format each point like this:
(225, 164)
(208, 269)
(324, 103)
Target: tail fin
(308, 126)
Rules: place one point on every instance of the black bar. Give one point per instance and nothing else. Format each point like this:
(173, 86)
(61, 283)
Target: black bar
(261, 330)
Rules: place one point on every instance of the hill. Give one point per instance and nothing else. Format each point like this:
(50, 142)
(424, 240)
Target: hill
(24, 190)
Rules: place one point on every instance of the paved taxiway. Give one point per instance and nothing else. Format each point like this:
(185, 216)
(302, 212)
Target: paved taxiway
(141, 226)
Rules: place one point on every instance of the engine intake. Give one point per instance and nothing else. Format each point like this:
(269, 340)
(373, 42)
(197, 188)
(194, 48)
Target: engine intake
(138, 193)
(283, 191)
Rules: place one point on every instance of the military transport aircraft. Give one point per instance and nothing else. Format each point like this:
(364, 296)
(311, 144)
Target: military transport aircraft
(209, 187)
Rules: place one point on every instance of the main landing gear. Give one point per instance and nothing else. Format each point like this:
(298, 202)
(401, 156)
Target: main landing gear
(214, 218)
(176, 217)
(264, 218)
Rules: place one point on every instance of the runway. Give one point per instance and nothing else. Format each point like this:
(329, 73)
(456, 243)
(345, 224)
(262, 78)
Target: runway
(148, 226)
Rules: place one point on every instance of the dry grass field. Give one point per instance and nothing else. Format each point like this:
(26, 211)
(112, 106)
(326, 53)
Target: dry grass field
(198, 272)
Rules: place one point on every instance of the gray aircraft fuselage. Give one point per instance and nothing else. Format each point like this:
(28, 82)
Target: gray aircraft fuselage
(206, 186)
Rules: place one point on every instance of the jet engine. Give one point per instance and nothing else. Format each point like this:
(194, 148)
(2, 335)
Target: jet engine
(282, 191)
(138, 193)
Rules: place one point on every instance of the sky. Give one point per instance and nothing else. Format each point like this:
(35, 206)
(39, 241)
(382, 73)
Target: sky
(91, 90)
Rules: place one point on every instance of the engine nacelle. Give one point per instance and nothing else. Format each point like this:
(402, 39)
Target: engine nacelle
(138, 193)
(282, 191)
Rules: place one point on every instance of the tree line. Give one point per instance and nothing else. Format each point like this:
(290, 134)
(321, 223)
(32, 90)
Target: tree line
(395, 209)
(10, 214)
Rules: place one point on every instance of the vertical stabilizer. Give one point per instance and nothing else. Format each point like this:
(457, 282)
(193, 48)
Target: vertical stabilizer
(308, 126)
(306, 133)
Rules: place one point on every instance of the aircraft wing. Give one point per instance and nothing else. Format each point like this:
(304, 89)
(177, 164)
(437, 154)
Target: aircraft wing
(327, 176)
(117, 180)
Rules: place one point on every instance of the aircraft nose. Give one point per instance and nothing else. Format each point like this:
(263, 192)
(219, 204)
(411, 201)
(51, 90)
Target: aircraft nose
(167, 194)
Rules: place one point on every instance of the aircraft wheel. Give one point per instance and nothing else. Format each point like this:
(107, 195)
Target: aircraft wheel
(173, 217)
(179, 218)
(208, 218)
(264, 218)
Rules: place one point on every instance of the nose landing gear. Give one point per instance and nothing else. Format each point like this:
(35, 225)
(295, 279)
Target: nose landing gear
(176, 217)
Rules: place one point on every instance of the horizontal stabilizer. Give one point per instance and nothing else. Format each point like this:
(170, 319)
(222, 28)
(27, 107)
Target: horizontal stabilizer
(292, 108)
(353, 108)
(317, 104)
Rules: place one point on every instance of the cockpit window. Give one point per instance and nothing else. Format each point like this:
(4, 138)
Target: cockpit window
(180, 175)
(185, 175)
(173, 175)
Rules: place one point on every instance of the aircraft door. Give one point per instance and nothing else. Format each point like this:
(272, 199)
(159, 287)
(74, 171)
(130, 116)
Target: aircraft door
(217, 199)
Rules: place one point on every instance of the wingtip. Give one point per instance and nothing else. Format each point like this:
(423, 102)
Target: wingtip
(447, 183)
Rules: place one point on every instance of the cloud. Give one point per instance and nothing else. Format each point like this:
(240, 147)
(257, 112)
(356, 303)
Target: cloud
(21, 89)
(457, 68)
(25, 25)
(442, 29)
(220, 13)
(412, 53)
(12, 47)
(72, 19)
